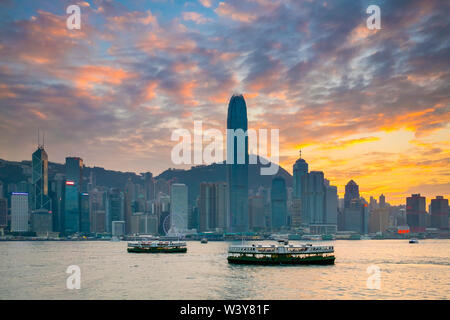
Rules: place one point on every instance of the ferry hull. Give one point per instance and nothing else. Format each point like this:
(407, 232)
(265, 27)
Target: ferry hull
(156, 250)
(282, 260)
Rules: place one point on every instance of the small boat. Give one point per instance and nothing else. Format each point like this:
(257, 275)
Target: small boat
(204, 240)
(157, 247)
(284, 253)
(115, 239)
(413, 241)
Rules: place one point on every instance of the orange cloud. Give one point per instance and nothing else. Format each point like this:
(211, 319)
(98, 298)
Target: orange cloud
(227, 10)
(88, 76)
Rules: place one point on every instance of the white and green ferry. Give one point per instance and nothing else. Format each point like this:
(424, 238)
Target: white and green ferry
(283, 253)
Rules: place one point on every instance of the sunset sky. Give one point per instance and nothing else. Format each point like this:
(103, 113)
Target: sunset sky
(367, 105)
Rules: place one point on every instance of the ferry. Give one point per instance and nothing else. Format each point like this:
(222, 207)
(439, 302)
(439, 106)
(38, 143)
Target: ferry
(413, 241)
(157, 247)
(204, 240)
(283, 253)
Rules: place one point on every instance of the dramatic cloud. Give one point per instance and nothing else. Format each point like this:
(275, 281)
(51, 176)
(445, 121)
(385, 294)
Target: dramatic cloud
(368, 105)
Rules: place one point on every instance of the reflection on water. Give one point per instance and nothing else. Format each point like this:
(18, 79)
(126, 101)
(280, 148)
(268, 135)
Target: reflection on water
(36, 270)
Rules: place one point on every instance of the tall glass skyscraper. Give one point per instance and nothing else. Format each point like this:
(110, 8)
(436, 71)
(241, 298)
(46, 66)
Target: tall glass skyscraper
(237, 173)
(39, 180)
(72, 203)
(316, 194)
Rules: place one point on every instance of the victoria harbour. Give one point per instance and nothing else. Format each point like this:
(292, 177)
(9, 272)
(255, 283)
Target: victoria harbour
(37, 270)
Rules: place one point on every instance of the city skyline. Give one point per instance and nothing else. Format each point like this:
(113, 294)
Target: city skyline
(358, 106)
(341, 194)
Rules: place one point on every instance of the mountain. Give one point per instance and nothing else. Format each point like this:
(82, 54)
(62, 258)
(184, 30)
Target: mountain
(217, 173)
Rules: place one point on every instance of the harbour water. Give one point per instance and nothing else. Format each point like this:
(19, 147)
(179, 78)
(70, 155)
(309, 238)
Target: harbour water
(37, 270)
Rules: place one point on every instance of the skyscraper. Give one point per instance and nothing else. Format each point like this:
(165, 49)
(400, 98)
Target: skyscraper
(179, 207)
(97, 205)
(237, 172)
(382, 201)
(39, 180)
(114, 207)
(149, 186)
(72, 208)
(331, 205)
(19, 212)
(415, 213)
(439, 211)
(56, 195)
(212, 205)
(351, 193)
(85, 221)
(3, 212)
(316, 195)
(300, 172)
(279, 205)
(129, 200)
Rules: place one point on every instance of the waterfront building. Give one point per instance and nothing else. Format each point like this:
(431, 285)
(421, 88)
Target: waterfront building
(212, 208)
(57, 197)
(279, 203)
(41, 222)
(416, 216)
(118, 228)
(316, 196)
(72, 209)
(97, 206)
(237, 173)
(356, 217)
(114, 207)
(179, 207)
(439, 211)
(331, 205)
(19, 212)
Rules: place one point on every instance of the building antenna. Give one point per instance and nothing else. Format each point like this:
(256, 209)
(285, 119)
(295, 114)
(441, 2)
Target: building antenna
(38, 138)
(300, 151)
(43, 139)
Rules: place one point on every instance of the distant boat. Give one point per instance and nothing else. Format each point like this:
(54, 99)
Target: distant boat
(115, 239)
(157, 247)
(204, 240)
(413, 241)
(327, 237)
